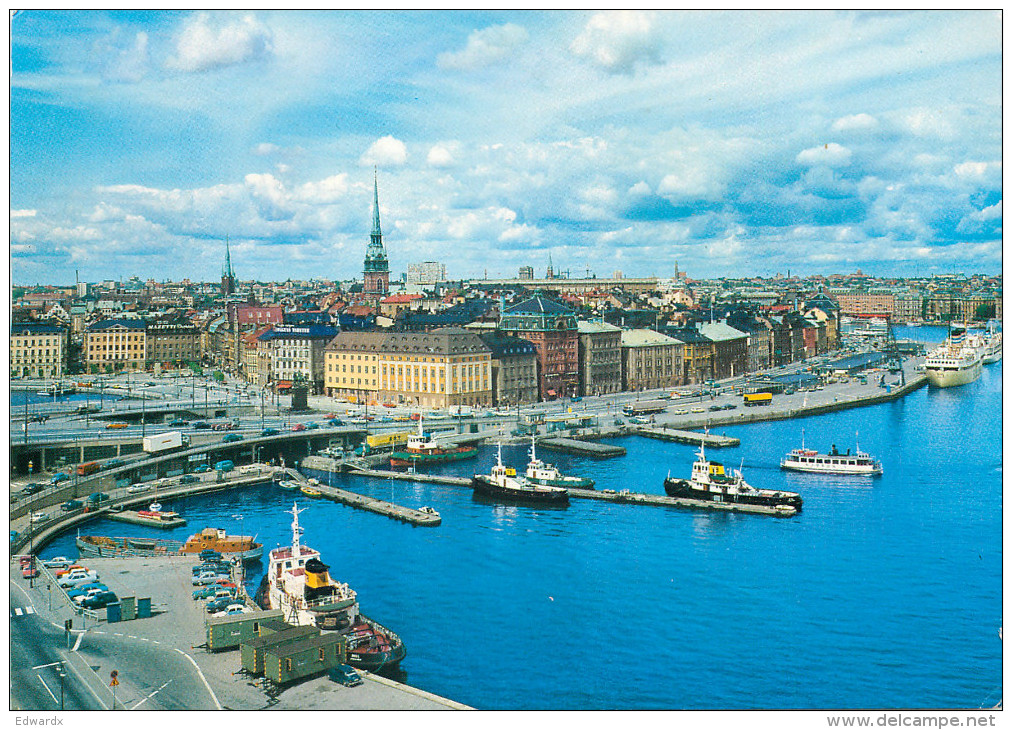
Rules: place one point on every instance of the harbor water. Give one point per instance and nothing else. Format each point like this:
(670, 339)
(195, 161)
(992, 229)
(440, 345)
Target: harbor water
(883, 593)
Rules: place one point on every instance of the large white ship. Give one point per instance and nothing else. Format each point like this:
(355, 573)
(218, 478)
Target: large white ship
(298, 583)
(957, 361)
(992, 344)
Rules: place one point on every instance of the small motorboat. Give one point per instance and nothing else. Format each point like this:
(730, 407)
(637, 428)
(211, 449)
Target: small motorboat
(310, 492)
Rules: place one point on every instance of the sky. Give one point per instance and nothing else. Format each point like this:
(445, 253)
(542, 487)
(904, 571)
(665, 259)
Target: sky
(733, 143)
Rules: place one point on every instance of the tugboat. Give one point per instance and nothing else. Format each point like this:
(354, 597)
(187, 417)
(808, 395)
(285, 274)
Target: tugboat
(422, 449)
(230, 546)
(709, 482)
(538, 472)
(832, 463)
(299, 584)
(503, 484)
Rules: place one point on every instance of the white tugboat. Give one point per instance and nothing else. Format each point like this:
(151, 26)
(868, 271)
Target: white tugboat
(538, 472)
(809, 460)
(709, 482)
(298, 583)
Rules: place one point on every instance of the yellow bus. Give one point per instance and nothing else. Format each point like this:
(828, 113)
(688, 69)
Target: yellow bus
(378, 440)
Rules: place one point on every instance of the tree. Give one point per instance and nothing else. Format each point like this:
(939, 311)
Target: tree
(984, 312)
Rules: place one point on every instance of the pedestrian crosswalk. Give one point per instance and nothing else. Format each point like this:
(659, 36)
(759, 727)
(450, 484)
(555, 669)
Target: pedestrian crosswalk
(18, 611)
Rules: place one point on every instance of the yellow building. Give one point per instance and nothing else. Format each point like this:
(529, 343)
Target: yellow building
(115, 344)
(439, 369)
(37, 350)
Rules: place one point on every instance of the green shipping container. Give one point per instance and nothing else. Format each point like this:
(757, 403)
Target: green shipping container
(228, 632)
(254, 650)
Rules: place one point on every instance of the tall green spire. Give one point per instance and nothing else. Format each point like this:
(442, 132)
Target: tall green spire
(377, 234)
(375, 252)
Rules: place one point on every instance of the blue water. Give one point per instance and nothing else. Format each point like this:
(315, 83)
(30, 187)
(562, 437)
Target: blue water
(882, 593)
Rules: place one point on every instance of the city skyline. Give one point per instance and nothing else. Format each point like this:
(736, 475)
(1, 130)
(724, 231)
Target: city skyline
(734, 143)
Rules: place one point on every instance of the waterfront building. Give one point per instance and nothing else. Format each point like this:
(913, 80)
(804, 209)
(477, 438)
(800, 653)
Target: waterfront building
(112, 345)
(439, 369)
(551, 327)
(426, 272)
(172, 342)
(650, 360)
(600, 357)
(697, 354)
(907, 306)
(526, 273)
(730, 349)
(37, 350)
(760, 339)
(376, 271)
(514, 369)
(297, 352)
(866, 304)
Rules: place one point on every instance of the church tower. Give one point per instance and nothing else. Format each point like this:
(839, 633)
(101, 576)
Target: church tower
(227, 275)
(376, 270)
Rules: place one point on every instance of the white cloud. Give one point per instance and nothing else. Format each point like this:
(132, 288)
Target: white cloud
(829, 155)
(23, 213)
(269, 195)
(440, 156)
(200, 46)
(485, 47)
(328, 190)
(978, 171)
(385, 151)
(266, 148)
(855, 123)
(130, 64)
(928, 123)
(617, 40)
(640, 189)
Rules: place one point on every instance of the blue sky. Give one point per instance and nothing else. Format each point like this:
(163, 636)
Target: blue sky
(734, 143)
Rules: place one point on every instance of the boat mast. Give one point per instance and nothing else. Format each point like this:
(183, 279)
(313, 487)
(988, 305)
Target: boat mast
(296, 531)
(533, 455)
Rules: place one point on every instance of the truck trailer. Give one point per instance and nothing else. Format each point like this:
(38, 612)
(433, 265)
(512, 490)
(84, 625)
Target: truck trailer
(165, 442)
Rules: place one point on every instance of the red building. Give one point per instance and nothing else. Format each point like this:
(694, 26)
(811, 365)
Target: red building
(551, 327)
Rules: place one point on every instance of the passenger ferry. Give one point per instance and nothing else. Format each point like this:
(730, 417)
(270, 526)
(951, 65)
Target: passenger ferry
(834, 462)
(709, 482)
(957, 361)
(299, 584)
(992, 343)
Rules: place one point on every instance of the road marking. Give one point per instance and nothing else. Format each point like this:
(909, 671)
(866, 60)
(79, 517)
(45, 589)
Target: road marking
(43, 666)
(77, 644)
(17, 611)
(201, 674)
(151, 695)
(47, 687)
(30, 609)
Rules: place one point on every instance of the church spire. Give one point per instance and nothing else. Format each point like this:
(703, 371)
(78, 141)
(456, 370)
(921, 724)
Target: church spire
(376, 269)
(376, 232)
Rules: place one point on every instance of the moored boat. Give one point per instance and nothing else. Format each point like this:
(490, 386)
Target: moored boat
(957, 361)
(809, 460)
(503, 484)
(709, 482)
(423, 449)
(230, 546)
(289, 484)
(299, 584)
(538, 472)
(311, 492)
(992, 343)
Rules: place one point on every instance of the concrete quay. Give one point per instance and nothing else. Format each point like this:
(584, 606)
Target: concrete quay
(583, 448)
(687, 437)
(370, 504)
(163, 663)
(135, 518)
(657, 500)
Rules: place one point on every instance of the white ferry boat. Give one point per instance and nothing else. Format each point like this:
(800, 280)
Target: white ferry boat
(299, 584)
(992, 343)
(957, 361)
(834, 462)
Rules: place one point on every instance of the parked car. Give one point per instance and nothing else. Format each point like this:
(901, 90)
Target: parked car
(77, 578)
(25, 560)
(38, 517)
(209, 555)
(99, 600)
(730, 407)
(697, 409)
(117, 424)
(57, 562)
(345, 674)
(204, 592)
(71, 504)
(231, 610)
(299, 427)
(231, 438)
(205, 578)
(30, 572)
(31, 488)
(269, 432)
(138, 488)
(188, 479)
(69, 569)
(59, 477)
(219, 604)
(640, 420)
(83, 590)
(88, 592)
(716, 408)
(201, 469)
